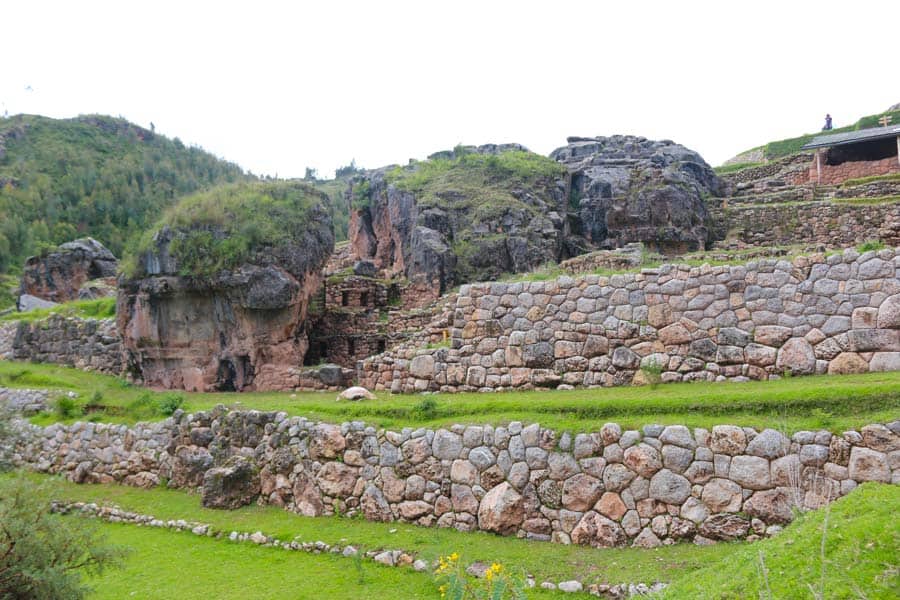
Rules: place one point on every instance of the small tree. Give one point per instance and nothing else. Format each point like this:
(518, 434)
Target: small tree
(43, 555)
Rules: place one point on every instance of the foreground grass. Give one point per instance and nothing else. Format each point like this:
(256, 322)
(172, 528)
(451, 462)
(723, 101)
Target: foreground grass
(861, 549)
(546, 561)
(830, 402)
(163, 565)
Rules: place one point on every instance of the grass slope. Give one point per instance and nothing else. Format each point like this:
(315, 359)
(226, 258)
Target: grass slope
(825, 402)
(861, 556)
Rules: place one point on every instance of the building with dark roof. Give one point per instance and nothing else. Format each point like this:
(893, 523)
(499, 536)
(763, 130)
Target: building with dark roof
(852, 154)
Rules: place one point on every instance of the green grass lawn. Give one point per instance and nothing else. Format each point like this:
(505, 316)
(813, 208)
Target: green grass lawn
(861, 556)
(546, 561)
(165, 565)
(824, 402)
(861, 549)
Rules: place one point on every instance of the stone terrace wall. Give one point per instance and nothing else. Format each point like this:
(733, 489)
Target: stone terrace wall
(609, 488)
(82, 343)
(812, 315)
(830, 225)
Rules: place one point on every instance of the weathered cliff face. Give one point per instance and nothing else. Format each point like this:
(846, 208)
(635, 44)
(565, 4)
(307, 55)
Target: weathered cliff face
(475, 222)
(500, 209)
(631, 189)
(59, 276)
(241, 329)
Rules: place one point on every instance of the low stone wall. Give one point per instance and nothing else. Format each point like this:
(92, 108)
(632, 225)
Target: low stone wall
(81, 343)
(839, 314)
(24, 400)
(608, 488)
(828, 224)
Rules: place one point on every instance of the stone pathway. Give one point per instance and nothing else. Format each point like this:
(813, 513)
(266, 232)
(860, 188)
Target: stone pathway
(386, 557)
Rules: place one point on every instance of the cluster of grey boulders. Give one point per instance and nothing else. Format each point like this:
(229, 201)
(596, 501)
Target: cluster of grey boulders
(812, 315)
(643, 487)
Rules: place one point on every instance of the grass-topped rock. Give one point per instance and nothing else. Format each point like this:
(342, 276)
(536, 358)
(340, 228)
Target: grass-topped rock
(471, 213)
(216, 294)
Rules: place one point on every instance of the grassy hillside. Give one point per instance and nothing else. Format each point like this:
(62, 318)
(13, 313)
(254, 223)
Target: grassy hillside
(851, 550)
(91, 175)
(223, 227)
(786, 147)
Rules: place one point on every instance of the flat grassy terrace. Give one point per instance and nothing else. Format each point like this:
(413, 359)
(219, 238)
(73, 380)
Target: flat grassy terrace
(857, 542)
(158, 551)
(829, 402)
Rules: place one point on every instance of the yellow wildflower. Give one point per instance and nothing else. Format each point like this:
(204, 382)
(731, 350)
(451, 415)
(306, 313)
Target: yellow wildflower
(454, 556)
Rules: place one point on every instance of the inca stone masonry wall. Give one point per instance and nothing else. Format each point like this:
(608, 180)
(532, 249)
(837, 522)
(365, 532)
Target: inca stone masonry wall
(82, 343)
(832, 225)
(839, 314)
(608, 488)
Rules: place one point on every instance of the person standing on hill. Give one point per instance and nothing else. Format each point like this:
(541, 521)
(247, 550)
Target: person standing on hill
(827, 123)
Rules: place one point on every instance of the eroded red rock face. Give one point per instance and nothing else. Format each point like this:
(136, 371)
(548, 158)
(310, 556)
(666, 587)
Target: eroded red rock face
(59, 276)
(238, 331)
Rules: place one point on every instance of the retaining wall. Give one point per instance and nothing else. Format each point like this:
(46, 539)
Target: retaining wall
(839, 314)
(608, 488)
(82, 343)
(827, 224)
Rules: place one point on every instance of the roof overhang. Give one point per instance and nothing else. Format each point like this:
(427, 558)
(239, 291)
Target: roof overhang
(853, 137)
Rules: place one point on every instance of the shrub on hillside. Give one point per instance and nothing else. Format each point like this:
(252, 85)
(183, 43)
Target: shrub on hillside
(44, 556)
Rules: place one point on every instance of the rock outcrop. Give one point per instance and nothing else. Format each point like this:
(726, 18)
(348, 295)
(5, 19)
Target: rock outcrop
(475, 220)
(235, 329)
(478, 213)
(58, 276)
(631, 189)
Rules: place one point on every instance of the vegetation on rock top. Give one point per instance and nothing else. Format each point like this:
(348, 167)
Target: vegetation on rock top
(92, 175)
(221, 228)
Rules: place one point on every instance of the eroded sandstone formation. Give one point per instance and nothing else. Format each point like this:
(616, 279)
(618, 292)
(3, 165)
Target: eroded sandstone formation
(58, 276)
(238, 329)
(630, 189)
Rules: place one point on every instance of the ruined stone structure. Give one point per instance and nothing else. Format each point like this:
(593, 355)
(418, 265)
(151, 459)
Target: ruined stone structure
(606, 488)
(58, 276)
(817, 314)
(360, 312)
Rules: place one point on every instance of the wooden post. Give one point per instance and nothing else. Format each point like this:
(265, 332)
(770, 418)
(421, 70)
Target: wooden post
(818, 166)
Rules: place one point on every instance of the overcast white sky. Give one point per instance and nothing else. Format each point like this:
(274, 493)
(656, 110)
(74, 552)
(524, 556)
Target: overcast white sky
(278, 86)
